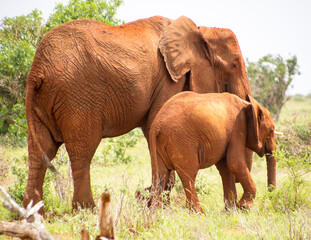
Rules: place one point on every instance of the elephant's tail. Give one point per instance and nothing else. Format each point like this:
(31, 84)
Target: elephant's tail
(34, 83)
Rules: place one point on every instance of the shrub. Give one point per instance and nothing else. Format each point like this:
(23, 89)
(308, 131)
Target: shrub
(17, 131)
(20, 172)
(269, 78)
(55, 187)
(294, 156)
(294, 148)
(115, 149)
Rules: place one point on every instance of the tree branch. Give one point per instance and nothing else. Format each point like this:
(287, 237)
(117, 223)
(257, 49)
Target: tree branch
(31, 226)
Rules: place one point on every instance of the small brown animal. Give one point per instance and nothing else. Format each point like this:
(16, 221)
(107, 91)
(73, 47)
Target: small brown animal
(106, 224)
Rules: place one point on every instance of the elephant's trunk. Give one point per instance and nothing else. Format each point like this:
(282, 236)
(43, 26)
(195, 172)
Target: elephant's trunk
(271, 170)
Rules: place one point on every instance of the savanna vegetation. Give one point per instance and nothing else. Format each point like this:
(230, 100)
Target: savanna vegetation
(122, 165)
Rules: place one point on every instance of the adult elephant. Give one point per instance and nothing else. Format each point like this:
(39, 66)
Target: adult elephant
(89, 81)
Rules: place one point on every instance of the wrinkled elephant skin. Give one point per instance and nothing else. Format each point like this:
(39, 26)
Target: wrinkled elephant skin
(195, 131)
(89, 81)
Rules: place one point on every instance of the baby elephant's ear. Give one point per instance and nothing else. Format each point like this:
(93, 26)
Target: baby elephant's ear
(254, 117)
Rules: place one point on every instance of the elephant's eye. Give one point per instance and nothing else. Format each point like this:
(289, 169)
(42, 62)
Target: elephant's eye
(235, 63)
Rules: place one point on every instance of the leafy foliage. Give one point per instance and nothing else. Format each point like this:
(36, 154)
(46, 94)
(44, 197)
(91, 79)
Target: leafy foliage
(19, 37)
(99, 10)
(294, 156)
(269, 78)
(115, 149)
(18, 189)
(294, 148)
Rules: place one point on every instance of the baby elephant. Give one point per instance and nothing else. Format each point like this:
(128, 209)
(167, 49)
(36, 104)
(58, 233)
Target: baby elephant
(195, 131)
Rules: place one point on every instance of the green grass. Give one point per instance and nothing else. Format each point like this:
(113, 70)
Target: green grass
(271, 217)
(297, 109)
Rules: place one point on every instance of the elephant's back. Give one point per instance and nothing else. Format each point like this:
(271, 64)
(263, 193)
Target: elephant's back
(128, 50)
(190, 99)
(189, 108)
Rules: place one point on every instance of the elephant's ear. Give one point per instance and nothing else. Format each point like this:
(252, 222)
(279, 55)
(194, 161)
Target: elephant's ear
(177, 45)
(255, 118)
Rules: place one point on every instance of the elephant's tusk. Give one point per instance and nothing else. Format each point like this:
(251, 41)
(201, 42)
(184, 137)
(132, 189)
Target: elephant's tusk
(278, 133)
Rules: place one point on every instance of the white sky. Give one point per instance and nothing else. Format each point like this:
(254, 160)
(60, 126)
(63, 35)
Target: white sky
(261, 26)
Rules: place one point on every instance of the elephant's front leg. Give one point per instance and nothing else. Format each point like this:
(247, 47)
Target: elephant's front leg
(237, 165)
(228, 182)
(248, 185)
(249, 190)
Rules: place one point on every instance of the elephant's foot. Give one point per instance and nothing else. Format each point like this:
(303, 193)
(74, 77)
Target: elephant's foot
(153, 199)
(83, 198)
(83, 204)
(144, 195)
(195, 207)
(33, 196)
(246, 200)
(244, 204)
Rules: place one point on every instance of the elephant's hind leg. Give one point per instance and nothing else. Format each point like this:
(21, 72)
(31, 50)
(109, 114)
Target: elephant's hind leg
(37, 168)
(81, 153)
(82, 137)
(187, 176)
(160, 183)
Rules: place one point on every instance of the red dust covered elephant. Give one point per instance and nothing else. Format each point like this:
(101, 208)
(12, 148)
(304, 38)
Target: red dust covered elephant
(195, 131)
(89, 81)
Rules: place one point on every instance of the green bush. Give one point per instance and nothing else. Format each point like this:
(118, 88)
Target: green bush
(100, 10)
(13, 125)
(294, 147)
(19, 170)
(53, 199)
(115, 149)
(17, 131)
(294, 156)
(18, 189)
(269, 78)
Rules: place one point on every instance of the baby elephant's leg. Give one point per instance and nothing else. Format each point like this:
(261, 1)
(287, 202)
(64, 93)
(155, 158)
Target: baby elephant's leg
(187, 177)
(228, 182)
(243, 175)
(160, 182)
